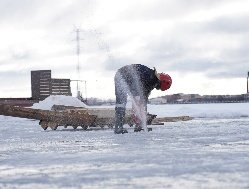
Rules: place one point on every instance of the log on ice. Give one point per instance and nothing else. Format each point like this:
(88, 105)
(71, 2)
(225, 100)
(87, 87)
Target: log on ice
(60, 118)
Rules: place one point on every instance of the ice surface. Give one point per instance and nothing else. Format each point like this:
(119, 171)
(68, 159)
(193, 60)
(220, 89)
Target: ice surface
(226, 110)
(211, 151)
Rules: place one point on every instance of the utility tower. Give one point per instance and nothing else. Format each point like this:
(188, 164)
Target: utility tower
(78, 80)
(247, 83)
(78, 59)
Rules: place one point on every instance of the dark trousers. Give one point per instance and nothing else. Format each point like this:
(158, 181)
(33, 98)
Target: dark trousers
(126, 83)
(121, 92)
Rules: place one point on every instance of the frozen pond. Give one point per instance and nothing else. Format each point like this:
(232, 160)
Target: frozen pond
(211, 151)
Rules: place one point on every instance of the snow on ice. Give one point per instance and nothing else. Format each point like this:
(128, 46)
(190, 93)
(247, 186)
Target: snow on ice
(47, 103)
(210, 151)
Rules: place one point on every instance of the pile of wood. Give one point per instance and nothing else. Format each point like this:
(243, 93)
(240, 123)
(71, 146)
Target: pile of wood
(77, 117)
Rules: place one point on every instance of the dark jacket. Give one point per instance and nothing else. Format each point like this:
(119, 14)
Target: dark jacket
(138, 79)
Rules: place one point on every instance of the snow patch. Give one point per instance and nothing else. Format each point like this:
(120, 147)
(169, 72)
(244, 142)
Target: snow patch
(47, 103)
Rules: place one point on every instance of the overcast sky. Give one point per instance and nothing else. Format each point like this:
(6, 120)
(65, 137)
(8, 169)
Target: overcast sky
(202, 44)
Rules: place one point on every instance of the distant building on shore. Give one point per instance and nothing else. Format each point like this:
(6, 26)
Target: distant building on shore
(181, 98)
(159, 100)
(42, 86)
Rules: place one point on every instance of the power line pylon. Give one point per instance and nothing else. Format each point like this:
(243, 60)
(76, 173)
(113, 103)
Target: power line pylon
(78, 51)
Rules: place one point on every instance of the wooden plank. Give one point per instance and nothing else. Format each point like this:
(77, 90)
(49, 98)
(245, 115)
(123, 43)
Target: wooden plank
(173, 119)
(61, 118)
(74, 116)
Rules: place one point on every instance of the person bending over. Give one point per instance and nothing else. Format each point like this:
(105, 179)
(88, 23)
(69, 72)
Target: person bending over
(137, 81)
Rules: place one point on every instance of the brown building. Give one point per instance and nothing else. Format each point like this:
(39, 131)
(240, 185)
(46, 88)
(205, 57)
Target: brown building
(42, 85)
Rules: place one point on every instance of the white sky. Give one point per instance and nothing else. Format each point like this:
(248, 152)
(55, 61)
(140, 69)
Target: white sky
(203, 44)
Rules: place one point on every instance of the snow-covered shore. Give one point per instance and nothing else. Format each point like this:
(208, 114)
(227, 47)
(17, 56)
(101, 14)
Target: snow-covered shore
(211, 151)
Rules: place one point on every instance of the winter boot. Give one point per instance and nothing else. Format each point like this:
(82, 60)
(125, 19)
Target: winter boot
(138, 128)
(119, 120)
(120, 130)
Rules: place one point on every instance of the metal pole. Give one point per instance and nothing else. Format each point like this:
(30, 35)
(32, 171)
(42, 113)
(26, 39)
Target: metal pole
(78, 80)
